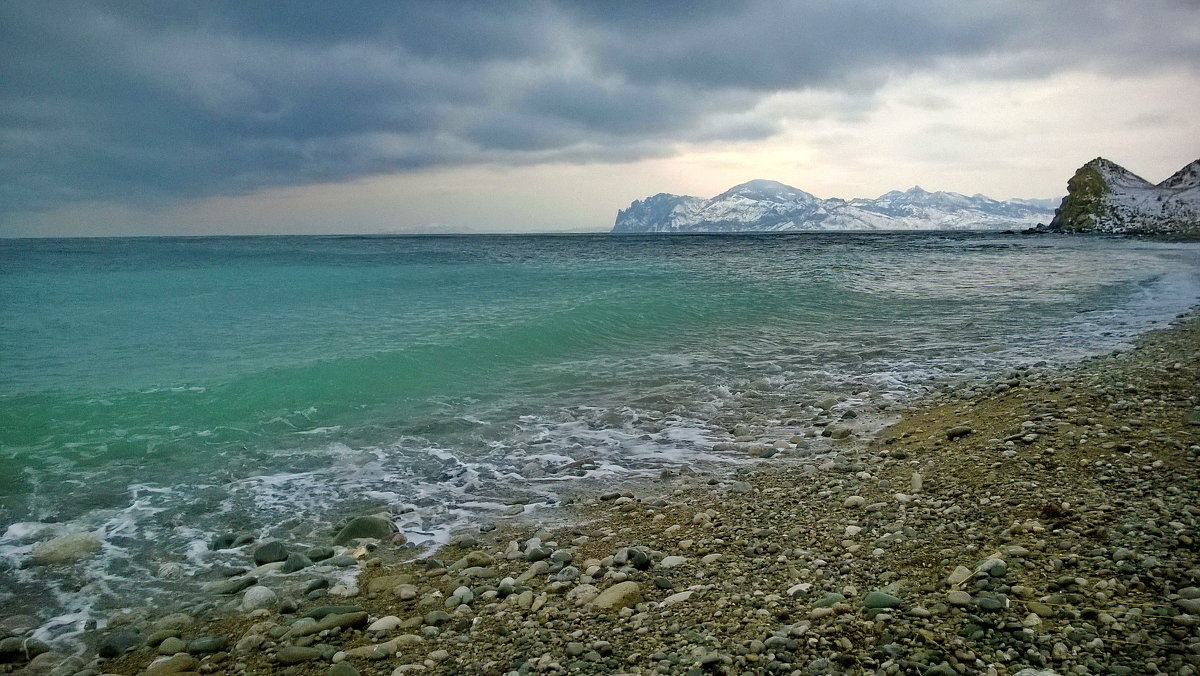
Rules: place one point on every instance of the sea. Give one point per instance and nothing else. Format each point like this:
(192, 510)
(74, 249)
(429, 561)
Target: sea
(162, 391)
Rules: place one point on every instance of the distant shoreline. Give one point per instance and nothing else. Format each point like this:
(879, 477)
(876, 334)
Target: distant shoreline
(528, 234)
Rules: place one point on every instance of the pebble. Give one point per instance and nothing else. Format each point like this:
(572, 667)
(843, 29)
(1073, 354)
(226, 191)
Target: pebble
(621, 595)
(342, 669)
(878, 599)
(994, 567)
(383, 624)
(319, 553)
(958, 432)
(119, 643)
(172, 645)
(959, 575)
(297, 654)
(181, 663)
(341, 620)
(958, 598)
(295, 562)
(270, 552)
(257, 597)
(677, 598)
(207, 644)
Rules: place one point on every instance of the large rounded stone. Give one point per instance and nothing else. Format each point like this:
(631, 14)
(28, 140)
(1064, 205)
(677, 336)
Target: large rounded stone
(177, 664)
(15, 648)
(270, 552)
(295, 561)
(66, 549)
(207, 644)
(620, 595)
(172, 645)
(119, 643)
(375, 527)
(295, 654)
(258, 597)
(878, 599)
(343, 669)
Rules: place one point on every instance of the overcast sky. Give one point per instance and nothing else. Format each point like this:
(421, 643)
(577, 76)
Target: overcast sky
(323, 117)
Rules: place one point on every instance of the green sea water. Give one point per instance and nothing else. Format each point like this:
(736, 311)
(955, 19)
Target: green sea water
(161, 391)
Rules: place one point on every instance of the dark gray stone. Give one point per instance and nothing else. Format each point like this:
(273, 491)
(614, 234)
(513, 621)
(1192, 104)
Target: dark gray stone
(437, 617)
(234, 586)
(295, 561)
(878, 599)
(365, 527)
(321, 611)
(828, 599)
(343, 669)
(295, 654)
(208, 644)
(16, 649)
(270, 552)
(119, 643)
(959, 431)
(319, 553)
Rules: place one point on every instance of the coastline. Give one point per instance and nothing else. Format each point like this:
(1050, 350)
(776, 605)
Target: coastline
(1058, 504)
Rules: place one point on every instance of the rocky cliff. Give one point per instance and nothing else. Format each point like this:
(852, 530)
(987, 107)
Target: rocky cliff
(1105, 197)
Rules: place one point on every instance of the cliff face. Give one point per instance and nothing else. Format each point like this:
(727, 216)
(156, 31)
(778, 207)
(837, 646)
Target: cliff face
(1105, 197)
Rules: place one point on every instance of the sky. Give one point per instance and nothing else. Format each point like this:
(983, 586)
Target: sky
(233, 117)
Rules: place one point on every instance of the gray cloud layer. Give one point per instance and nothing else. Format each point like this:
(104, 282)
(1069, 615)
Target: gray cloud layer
(152, 102)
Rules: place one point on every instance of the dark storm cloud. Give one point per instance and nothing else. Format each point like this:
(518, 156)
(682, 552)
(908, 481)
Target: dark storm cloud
(153, 102)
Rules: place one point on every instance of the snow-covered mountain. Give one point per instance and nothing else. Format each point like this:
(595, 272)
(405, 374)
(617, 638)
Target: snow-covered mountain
(1103, 196)
(770, 206)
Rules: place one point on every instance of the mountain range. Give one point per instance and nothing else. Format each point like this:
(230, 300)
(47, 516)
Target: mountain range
(1105, 197)
(771, 206)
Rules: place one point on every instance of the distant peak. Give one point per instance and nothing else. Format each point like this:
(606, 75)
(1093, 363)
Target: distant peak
(761, 188)
(1187, 177)
(915, 192)
(763, 185)
(1113, 172)
(1105, 165)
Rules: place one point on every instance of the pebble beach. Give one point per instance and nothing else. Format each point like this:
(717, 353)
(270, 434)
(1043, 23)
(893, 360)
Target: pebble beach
(1040, 521)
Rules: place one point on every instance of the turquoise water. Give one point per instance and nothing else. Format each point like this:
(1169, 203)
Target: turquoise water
(163, 390)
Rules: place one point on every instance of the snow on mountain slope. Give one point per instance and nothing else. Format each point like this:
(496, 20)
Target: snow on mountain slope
(1105, 197)
(770, 206)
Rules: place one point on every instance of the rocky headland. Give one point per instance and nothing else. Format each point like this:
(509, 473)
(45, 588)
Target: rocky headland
(1043, 521)
(1104, 197)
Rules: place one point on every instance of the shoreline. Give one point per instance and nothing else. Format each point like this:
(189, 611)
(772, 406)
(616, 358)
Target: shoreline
(827, 565)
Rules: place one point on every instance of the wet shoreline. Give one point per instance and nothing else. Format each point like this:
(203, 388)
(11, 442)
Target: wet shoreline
(1081, 482)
